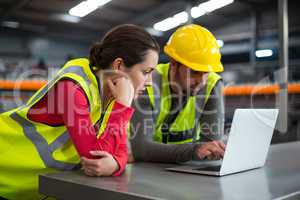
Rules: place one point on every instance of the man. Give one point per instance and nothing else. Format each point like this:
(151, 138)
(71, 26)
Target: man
(184, 106)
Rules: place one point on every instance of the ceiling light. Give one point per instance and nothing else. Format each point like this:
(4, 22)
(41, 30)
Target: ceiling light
(10, 24)
(263, 53)
(86, 7)
(196, 12)
(66, 18)
(171, 22)
(209, 6)
(220, 43)
(154, 32)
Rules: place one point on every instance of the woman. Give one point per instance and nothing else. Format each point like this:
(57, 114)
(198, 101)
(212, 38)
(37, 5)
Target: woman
(84, 108)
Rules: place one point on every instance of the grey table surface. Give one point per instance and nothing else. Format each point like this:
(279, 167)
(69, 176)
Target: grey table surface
(278, 179)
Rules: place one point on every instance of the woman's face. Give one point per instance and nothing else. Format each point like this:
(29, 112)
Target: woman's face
(140, 74)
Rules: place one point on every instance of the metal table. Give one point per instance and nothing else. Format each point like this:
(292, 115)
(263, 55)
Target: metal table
(279, 179)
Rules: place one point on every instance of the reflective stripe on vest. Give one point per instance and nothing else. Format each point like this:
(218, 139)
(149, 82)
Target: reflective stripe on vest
(159, 97)
(45, 151)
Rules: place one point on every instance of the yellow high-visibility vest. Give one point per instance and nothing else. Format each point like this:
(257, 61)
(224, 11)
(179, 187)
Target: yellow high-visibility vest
(29, 148)
(186, 127)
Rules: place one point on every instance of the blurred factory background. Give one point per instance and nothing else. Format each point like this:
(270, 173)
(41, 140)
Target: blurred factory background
(43, 34)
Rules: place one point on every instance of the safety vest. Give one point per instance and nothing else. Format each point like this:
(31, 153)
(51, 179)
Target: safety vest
(186, 127)
(29, 148)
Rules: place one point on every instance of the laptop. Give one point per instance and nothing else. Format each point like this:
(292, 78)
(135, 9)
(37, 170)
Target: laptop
(247, 146)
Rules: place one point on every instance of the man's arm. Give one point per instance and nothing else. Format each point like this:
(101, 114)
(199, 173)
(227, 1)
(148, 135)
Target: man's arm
(212, 119)
(142, 144)
(142, 130)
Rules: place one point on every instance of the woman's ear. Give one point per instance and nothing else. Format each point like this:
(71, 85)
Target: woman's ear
(117, 64)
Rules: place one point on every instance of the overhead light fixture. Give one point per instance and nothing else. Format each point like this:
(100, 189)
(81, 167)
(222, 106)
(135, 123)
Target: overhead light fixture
(171, 22)
(220, 43)
(212, 5)
(86, 7)
(208, 7)
(10, 24)
(66, 18)
(263, 53)
(196, 12)
(154, 32)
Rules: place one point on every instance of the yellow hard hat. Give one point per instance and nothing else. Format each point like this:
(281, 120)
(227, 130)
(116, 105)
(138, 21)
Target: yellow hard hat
(195, 47)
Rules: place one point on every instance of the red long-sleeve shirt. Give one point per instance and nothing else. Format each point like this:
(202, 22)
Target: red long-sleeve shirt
(66, 104)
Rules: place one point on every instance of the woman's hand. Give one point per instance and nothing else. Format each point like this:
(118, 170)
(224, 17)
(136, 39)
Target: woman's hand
(106, 165)
(122, 90)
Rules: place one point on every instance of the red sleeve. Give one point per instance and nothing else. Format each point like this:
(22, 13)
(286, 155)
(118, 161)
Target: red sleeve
(76, 116)
(117, 128)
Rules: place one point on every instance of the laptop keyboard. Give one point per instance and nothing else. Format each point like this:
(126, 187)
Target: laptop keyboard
(210, 168)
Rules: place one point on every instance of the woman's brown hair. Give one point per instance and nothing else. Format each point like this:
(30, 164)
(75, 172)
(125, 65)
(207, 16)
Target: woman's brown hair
(127, 41)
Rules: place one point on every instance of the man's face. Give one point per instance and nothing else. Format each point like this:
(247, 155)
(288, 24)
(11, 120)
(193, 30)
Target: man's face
(188, 81)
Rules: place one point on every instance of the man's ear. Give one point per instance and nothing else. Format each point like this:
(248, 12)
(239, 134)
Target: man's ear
(173, 63)
(117, 64)
(174, 66)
